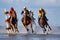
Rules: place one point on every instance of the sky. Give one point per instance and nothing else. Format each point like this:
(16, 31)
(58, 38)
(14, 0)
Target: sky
(52, 8)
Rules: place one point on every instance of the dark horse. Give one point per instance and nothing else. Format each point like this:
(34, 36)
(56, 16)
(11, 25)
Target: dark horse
(12, 22)
(43, 23)
(26, 20)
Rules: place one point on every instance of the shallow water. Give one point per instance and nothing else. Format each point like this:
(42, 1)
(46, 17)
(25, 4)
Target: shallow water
(54, 34)
(29, 37)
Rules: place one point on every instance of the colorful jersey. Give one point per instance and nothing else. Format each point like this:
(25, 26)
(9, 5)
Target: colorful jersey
(40, 12)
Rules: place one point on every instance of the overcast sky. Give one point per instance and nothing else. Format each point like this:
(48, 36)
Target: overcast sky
(52, 8)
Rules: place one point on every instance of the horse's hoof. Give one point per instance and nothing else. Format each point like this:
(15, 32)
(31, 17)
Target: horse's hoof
(50, 29)
(32, 31)
(27, 29)
(7, 28)
(44, 31)
(17, 31)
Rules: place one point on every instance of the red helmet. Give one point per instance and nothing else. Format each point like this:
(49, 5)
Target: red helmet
(11, 9)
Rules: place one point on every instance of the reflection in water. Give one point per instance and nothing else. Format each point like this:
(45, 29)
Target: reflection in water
(29, 37)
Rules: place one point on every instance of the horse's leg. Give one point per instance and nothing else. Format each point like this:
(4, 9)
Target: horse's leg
(16, 29)
(10, 28)
(43, 28)
(32, 28)
(46, 29)
(13, 27)
(49, 26)
(26, 28)
(7, 30)
(34, 23)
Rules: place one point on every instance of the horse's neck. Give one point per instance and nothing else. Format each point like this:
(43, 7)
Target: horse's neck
(41, 16)
(24, 17)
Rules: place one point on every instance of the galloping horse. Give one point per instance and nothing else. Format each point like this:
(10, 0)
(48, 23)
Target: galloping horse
(26, 20)
(43, 23)
(10, 21)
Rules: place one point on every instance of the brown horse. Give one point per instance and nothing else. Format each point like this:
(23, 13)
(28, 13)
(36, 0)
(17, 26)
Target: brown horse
(26, 20)
(43, 23)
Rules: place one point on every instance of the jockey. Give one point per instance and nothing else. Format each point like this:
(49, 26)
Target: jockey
(42, 12)
(25, 11)
(12, 12)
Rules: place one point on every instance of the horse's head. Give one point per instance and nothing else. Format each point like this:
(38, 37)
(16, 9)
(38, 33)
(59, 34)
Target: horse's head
(6, 12)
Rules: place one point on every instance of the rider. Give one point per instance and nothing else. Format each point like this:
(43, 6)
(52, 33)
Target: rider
(25, 11)
(41, 12)
(12, 12)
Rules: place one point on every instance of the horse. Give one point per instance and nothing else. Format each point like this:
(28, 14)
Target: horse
(43, 24)
(26, 20)
(11, 26)
(14, 24)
